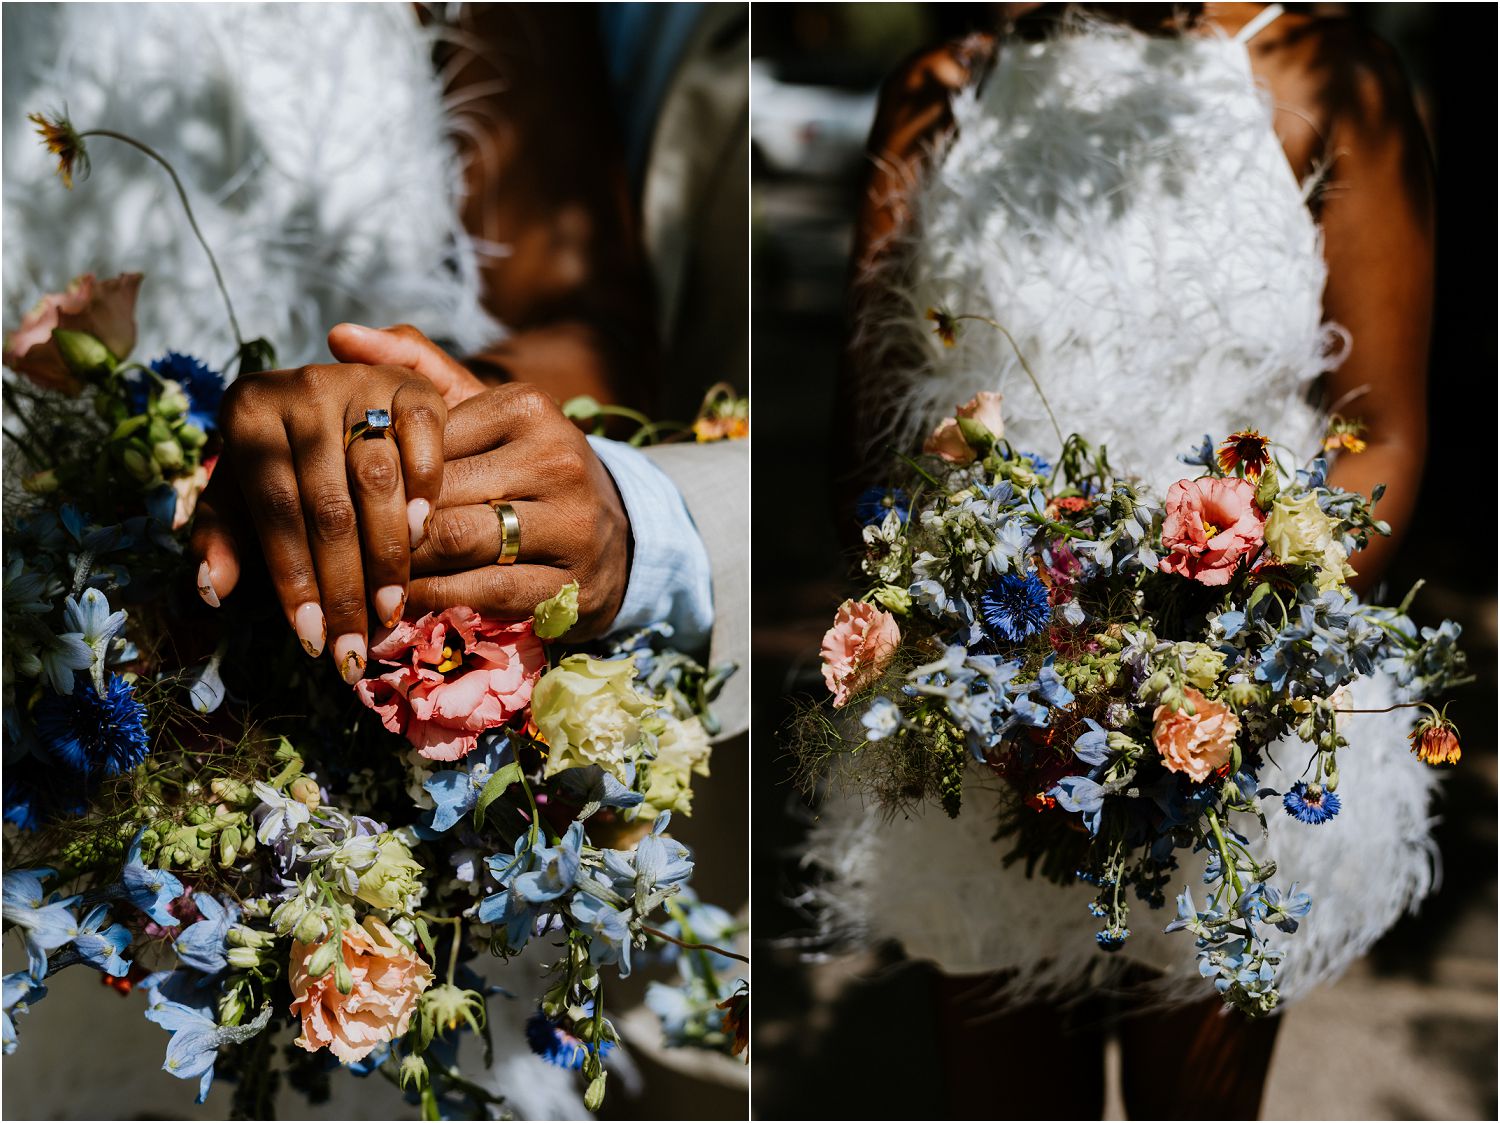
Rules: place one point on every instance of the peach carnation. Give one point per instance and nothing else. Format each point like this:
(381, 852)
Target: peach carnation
(1195, 743)
(453, 674)
(389, 978)
(1211, 525)
(857, 648)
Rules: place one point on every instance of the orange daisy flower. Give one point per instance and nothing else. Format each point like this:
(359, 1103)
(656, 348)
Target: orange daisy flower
(63, 141)
(1246, 451)
(1435, 741)
(946, 327)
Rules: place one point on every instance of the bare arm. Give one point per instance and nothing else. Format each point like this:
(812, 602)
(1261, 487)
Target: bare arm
(1378, 225)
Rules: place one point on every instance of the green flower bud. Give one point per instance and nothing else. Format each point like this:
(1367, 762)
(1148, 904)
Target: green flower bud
(138, 464)
(322, 959)
(230, 790)
(229, 845)
(581, 408)
(555, 615)
(168, 454)
(593, 1099)
(85, 354)
(173, 399)
(893, 597)
(199, 814)
(311, 928)
(231, 1007)
(342, 978)
(243, 958)
(413, 1072)
(191, 437)
(304, 789)
(40, 483)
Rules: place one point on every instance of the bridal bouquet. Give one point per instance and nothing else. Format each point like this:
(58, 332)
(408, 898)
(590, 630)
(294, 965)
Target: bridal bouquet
(1125, 662)
(200, 813)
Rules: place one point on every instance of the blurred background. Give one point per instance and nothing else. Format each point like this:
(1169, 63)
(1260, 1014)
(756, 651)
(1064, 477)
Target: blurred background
(1410, 1031)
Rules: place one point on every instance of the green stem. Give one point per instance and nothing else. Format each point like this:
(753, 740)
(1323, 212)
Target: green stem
(531, 799)
(234, 322)
(1229, 864)
(1035, 382)
(1055, 527)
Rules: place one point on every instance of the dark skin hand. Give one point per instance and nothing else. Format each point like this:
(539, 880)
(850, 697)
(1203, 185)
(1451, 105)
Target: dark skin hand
(356, 539)
(1341, 99)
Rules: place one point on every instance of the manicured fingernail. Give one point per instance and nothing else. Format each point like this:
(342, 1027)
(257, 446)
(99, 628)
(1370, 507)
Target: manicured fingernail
(349, 654)
(389, 601)
(417, 512)
(206, 586)
(311, 628)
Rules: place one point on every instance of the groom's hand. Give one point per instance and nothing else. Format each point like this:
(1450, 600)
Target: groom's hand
(507, 444)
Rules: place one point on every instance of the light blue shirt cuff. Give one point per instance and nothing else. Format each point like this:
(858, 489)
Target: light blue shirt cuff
(670, 579)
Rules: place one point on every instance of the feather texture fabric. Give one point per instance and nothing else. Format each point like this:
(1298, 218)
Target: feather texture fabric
(1122, 205)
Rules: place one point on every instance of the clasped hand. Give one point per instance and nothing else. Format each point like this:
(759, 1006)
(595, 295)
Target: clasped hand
(403, 524)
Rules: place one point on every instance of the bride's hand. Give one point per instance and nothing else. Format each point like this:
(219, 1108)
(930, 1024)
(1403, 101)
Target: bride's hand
(510, 444)
(312, 501)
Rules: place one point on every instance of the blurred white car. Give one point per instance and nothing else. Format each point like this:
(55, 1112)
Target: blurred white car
(815, 131)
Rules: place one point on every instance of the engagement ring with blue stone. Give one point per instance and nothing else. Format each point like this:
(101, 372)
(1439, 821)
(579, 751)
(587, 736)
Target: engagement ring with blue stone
(376, 425)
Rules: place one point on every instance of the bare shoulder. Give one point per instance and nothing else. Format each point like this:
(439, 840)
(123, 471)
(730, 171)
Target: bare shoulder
(1339, 76)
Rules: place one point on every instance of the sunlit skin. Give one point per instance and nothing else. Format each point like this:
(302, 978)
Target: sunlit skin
(1339, 96)
(545, 181)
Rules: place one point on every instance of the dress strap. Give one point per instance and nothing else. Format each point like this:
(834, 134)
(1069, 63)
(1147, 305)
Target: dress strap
(1263, 19)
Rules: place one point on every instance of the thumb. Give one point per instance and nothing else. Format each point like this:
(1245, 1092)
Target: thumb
(405, 346)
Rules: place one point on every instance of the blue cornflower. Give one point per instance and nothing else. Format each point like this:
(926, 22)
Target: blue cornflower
(875, 503)
(1015, 607)
(1038, 465)
(557, 1045)
(201, 945)
(1310, 803)
(204, 387)
(20, 991)
(95, 733)
(46, 923)
(149, 890)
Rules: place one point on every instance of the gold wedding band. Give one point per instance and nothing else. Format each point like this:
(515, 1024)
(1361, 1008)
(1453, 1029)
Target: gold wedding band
(375, 426)
(510, 533)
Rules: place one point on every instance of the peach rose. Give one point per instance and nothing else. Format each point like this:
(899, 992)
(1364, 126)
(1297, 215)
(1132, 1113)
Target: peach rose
(857, 648)
(1196, 743)
(453, 675)
(1210, 525)
(388, 977)
(102, 309)
(947, 440)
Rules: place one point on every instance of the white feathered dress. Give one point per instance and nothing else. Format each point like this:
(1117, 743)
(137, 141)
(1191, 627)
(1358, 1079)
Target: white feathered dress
(1121, 203)
(315, 144)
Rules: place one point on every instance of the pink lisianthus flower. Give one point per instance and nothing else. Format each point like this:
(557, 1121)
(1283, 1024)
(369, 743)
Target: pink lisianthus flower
(102, 309)
(1211, 525)
(452, 675)
(947, 440)
(857, 648)
(1197, 743)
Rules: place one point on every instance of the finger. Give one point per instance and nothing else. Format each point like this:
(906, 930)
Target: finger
(495, 417)
(375, 486)
(509, 592)
(333, 535)
(419, 415)
(263, 466)
(470, 536)
(216, 542)
(404, 346)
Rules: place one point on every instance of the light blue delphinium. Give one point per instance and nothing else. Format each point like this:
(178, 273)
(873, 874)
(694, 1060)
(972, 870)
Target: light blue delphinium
(554, 871)
(455, 791)
(20, 991)
(100, 944)
(196, 1038)
(90, 618)
(608, 929)
(279, 814)
(1093, 746)
(201, 945)
(882, 719)
(61, 656)
(147, 889)
(507, 908)
(1082, 796)
(46, 924)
